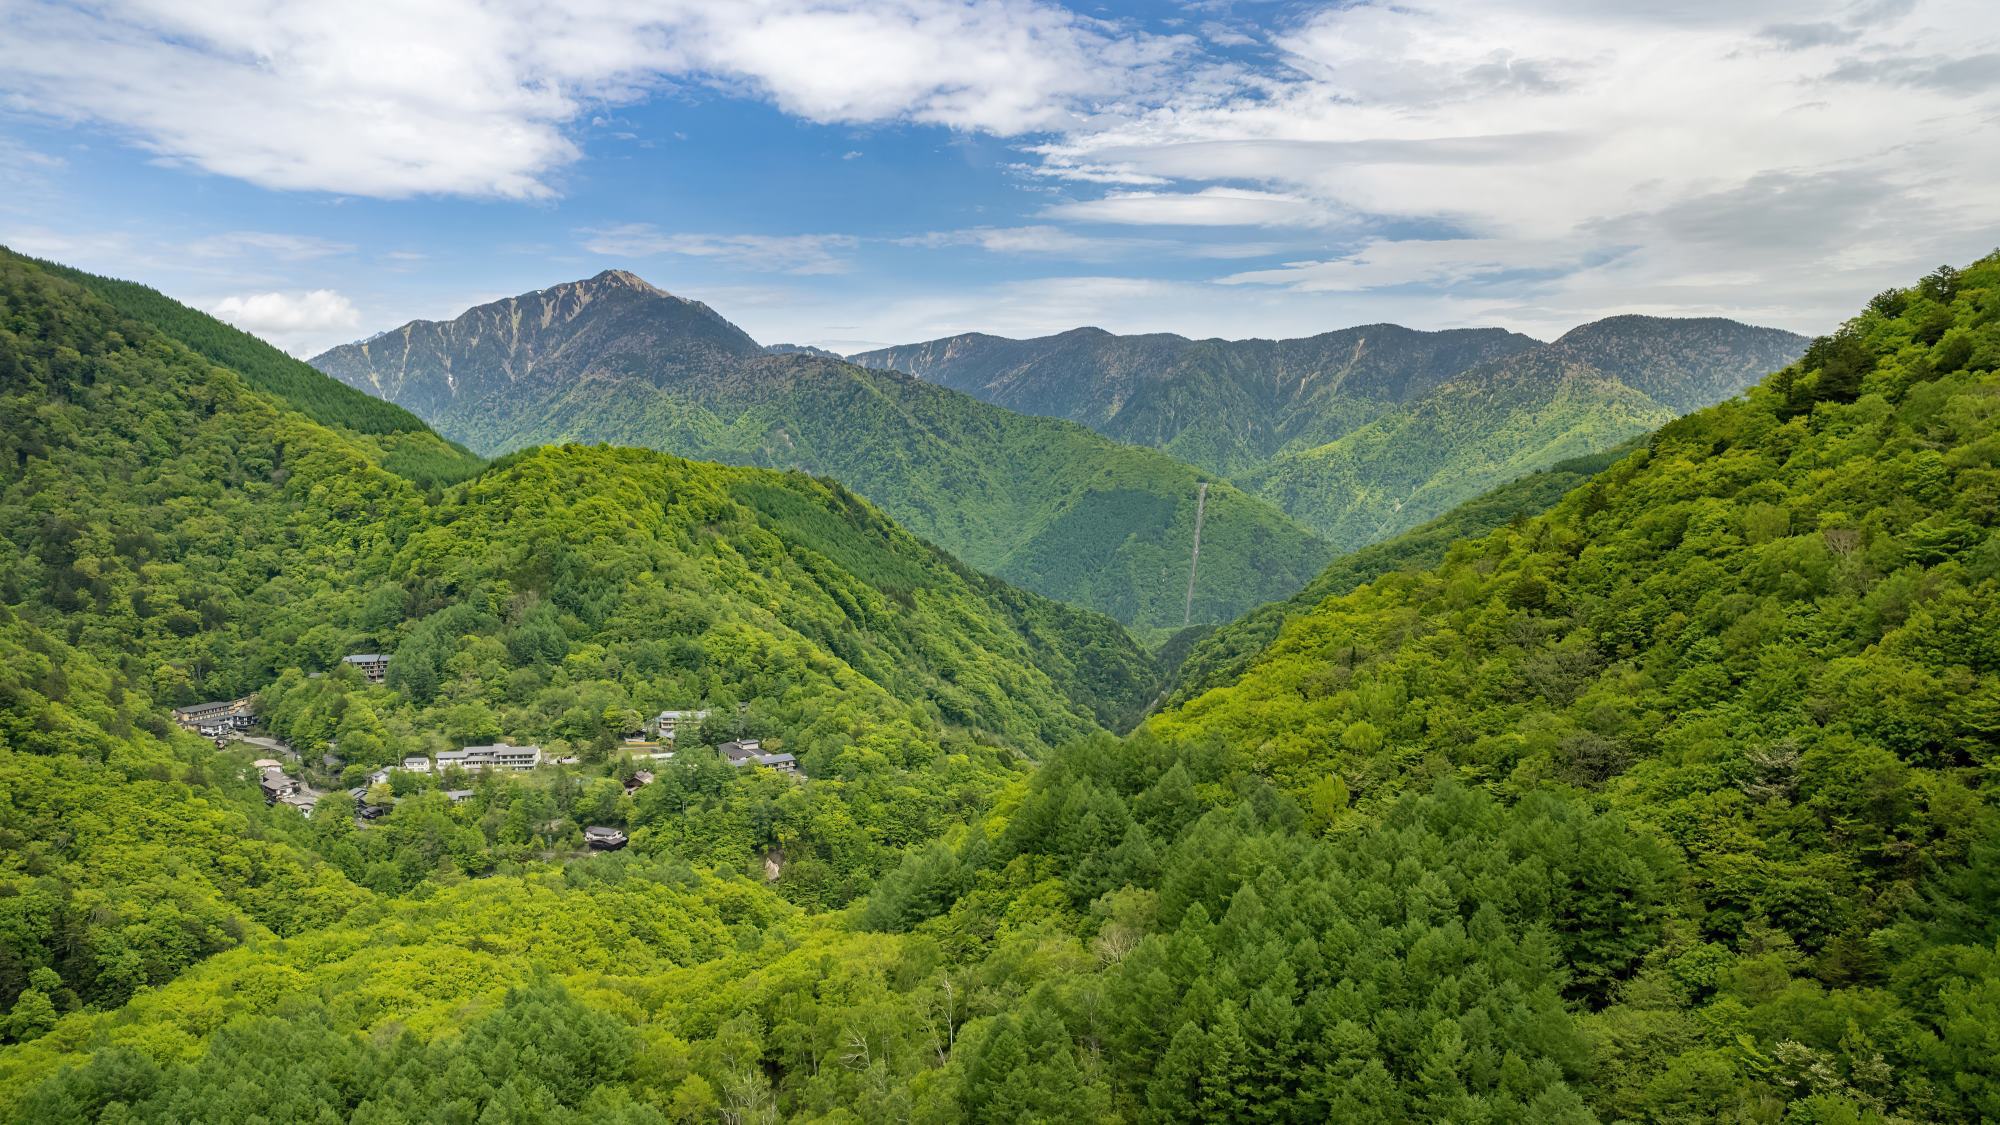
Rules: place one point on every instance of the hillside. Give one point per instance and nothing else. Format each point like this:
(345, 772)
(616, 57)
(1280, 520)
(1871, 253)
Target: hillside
(1670, 803)
(202, 541)
(1595, 387)
(1756, 659)
(1226, 405)
(406, 445)
(1220, 655)
(1367, 432)
(1046, 505)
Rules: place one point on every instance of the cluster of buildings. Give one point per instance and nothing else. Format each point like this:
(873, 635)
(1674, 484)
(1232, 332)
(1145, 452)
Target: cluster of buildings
(214, 720)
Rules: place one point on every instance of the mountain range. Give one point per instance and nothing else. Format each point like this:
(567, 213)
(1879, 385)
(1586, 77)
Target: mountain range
(1046, 504)
(1365, 432)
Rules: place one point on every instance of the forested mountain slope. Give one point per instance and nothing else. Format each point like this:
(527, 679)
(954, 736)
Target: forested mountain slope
(406, 445)
(1673, 803)
(1364, 433)
(1764, 648)
(1226, 405)
(1220, 655)
(1049, 506)
(171, 535)
(220, 566)
(1595, 387)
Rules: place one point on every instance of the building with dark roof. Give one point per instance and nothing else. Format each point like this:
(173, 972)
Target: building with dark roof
(749, 751)
(373, 665)
(218, 717)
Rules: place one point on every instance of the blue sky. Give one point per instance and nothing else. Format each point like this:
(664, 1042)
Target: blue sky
(854, 174)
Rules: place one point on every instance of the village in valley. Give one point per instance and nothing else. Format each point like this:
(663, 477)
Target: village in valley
(301, 778)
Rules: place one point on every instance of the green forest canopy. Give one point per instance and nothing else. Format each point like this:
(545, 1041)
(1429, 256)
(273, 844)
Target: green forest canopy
(1671, 803)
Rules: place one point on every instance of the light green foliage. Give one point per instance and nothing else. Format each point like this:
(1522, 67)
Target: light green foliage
(1461, 440)
(1215, 657)
(1769, 638)
(1671, 803)
(172, 535)
(405, 445)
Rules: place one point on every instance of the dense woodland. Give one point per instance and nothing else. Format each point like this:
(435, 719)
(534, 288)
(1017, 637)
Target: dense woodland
(1669, 803)
(406, 446)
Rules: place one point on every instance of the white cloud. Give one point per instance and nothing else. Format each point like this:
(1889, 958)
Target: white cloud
(795, 253)
(1380, 263)
(479, 97)
(1214, 206)
(1019, 240)
(1779, 158)
(299, 322)
(1060, 242)
(283, 247)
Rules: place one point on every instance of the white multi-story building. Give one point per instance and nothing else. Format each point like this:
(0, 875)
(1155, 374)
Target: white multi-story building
(670, 724)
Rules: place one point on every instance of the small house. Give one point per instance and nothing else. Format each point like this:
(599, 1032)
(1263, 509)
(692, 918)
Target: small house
(749, 751)
(783, 763)
(277, 786)
(603, 839)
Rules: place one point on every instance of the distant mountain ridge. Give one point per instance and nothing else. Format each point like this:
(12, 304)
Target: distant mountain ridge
(1046, 504)
(1226, 405)
(1366, 432)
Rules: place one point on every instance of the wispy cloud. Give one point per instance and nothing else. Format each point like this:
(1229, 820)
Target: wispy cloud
(1381, 263)
(795, 253)
(1208, 207)
(1047, 240)
(283, 247)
